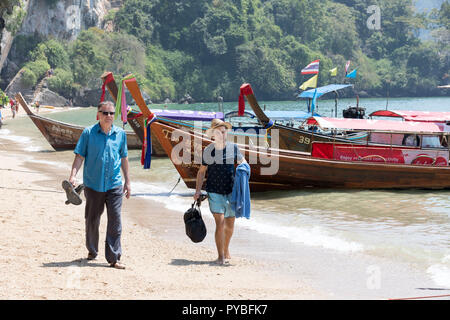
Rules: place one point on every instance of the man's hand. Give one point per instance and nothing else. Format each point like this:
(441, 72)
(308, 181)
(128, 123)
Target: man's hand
(77, 162)
(72, 180)
(127, 190)
(127, 185)
(197, 195)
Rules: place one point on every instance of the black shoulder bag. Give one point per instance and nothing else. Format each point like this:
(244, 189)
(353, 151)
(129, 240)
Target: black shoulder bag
(195, 226)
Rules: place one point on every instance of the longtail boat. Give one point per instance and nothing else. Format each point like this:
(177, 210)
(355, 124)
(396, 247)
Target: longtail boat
(64, 136)
(290, 138)
(284, 169)
(414, 115)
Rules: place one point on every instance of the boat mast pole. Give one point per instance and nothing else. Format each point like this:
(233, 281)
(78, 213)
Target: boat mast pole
(335, 103)
(313, 104)
(387, 96)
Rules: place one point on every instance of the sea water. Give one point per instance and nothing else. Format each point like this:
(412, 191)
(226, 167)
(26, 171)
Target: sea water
(406, 226)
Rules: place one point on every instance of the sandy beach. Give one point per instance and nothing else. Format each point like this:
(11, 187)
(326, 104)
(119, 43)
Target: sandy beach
(44, 257)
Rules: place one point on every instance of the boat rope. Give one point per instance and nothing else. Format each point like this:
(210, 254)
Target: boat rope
(424, 297)
(20, 170)
(37, 190)
(179, 179)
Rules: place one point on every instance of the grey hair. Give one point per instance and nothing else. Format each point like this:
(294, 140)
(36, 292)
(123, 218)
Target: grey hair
(105, 103)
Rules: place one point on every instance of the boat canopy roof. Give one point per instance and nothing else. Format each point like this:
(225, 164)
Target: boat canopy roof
(376, 125)
(188, 114)
(276, 115)
(309, 94)
(412, 115)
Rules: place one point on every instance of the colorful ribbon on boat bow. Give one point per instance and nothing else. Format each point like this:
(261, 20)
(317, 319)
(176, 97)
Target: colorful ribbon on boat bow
(121, 102)
(146, 156)
(245, 90)
(109, 78)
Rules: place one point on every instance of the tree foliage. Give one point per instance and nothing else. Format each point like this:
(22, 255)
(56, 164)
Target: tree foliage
(209, 48)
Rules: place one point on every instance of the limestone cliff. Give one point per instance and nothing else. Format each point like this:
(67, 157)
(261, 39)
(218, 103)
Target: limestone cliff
(60, 19)
(64, 19)
(11, 17)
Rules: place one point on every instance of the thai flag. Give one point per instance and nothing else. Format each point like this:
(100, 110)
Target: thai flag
(312, 68)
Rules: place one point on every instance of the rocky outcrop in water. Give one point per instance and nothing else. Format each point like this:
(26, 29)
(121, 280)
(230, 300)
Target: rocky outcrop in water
(187, 99)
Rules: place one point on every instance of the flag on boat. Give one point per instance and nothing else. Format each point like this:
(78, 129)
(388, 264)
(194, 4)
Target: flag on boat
(312, 68)
(333, 72)
(347, 65)
(311, 83)
(352, 74)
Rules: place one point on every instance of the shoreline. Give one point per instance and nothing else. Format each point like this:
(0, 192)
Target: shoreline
(7, 113)
(45, 257)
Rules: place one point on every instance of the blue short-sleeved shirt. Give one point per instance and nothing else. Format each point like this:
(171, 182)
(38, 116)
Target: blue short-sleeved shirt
(102, 155)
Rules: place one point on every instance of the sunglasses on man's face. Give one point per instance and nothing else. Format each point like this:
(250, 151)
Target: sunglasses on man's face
(106, 113)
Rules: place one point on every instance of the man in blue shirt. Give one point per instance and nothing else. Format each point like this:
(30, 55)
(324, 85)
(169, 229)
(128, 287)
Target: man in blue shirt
(103, 148)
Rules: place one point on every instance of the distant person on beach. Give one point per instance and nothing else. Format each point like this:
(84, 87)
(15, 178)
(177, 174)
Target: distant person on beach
(13, 107)
(218, 161)
(103, 147)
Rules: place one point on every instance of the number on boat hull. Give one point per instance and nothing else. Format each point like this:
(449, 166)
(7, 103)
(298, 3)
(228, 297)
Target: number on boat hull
(304, 140)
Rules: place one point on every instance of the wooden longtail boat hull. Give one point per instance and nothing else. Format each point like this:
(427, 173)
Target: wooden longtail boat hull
(298, 170)
(136, 122)
(64, 136)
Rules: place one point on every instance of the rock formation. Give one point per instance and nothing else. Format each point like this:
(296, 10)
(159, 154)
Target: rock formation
(64, 19)
(60, 19)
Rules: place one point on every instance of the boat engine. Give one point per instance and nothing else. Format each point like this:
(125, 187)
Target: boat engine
(354, 112)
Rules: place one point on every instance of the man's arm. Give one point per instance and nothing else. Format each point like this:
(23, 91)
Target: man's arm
(127, 185)
(199, 182)
(77, 162)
